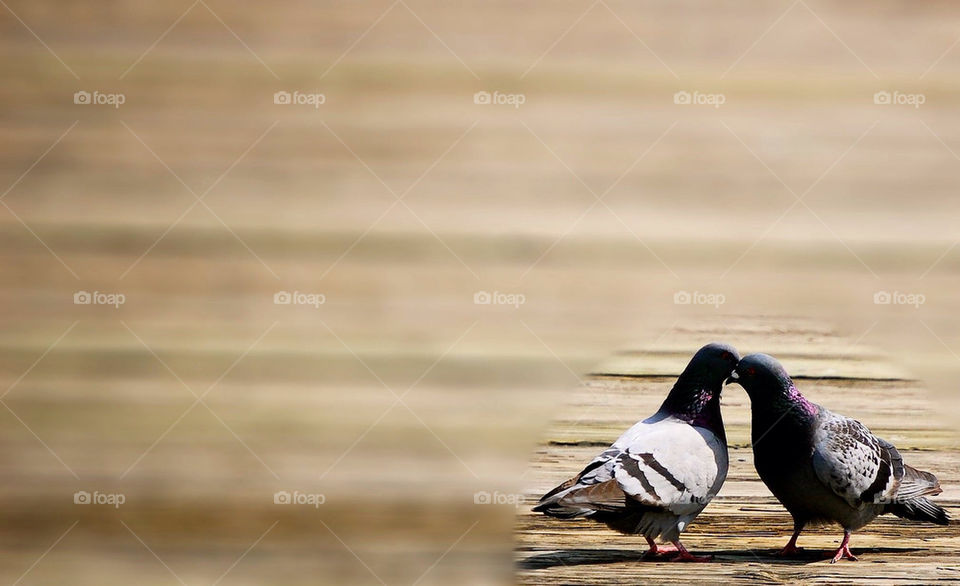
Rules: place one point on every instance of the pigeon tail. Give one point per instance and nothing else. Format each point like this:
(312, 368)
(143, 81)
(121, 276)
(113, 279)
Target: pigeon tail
(550, 503)
(920, 509)
(917, 483)
(559, 512)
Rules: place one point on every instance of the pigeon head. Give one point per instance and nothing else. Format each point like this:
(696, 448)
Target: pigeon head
(713, 363)
(767, 383)
(696, 394)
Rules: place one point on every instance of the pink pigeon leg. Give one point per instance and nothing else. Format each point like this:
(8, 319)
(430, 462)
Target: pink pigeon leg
(844, 550)
(791, 547)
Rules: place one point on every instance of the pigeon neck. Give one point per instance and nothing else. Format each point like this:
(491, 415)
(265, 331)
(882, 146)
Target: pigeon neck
(789, 400)
(695, 404)
(800, 403)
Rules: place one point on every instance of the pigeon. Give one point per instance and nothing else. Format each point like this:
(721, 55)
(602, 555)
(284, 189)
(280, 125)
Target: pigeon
(657, 477)
(824, 467)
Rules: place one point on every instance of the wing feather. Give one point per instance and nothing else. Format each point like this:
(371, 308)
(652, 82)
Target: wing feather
(855, 464)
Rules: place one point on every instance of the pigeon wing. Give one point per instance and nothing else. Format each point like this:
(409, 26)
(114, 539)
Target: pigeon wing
(673, 465)
(660, 462)
(855, 464)
(599, 470)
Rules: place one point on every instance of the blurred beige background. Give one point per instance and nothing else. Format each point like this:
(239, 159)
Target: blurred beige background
(595, 204)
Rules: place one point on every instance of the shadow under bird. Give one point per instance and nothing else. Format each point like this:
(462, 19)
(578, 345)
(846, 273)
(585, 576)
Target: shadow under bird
(826, 467)
(662, 472)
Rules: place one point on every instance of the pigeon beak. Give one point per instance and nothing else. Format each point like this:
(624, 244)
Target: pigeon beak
(733, 378)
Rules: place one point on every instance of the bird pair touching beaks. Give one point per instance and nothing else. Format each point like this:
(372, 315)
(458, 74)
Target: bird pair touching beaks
(823, 467)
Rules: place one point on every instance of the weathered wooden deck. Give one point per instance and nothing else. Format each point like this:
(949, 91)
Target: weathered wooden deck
(745, 525)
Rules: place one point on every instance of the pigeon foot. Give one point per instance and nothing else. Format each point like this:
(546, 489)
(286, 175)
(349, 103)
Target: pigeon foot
(844, 550)
(685, 556)
(657, 550)
(790, 550)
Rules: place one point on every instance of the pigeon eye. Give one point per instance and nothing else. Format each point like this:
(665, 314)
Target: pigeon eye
(751, 371)
(726, 355)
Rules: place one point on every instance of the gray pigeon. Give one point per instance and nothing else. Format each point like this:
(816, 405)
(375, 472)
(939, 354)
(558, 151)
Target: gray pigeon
(826, 467)
(658, 476)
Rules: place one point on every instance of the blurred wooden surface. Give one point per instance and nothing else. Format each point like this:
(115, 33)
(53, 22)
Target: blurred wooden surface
(494, 199)
(745, 525)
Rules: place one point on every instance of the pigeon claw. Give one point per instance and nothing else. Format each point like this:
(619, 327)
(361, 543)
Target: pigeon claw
(657, 550)
(844, 552)
(685, 556)
(790, 550)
